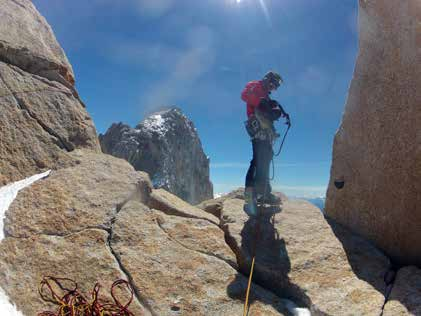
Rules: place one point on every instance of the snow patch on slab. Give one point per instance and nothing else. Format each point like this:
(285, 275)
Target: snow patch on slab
(9, 192)
(294, 309)
(7, 308)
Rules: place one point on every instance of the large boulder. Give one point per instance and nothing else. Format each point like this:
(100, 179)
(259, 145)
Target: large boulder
(301, 256)
(89, 221)
(41, 116)
(375, 176)
(166, 146)
(40, 122)
(28, 42)
(176, 272)
(171, 204)
(85, 194)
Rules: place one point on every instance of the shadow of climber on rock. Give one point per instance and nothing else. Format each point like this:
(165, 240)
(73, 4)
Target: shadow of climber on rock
(269, 249)
(272, 263)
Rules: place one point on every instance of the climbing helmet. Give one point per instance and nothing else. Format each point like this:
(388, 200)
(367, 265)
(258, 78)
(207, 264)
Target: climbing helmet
(273, 78)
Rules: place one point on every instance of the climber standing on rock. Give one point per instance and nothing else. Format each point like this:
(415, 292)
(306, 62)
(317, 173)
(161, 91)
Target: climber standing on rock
(262, 111)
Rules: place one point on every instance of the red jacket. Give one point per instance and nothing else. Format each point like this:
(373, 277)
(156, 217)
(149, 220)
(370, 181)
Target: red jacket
(252, 94)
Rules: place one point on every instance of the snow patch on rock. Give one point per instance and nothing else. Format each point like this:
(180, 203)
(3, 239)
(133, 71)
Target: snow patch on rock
(156, 123)
(294, 309)
(9, 192)
(6, 307)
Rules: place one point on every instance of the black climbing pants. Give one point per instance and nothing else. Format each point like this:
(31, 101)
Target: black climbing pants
(258, 172)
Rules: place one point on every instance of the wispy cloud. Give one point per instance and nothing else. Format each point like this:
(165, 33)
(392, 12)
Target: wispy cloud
(153, 8)
(353, 22)
(223, 165)
(189, 66)
(150, 56)
(237, 165)
(300, 188)
(314, 80)
(302, 191)
(225, 69)
(81, 30)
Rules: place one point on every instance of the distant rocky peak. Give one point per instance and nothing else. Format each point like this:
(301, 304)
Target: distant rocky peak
(167, 121)
(166, 145)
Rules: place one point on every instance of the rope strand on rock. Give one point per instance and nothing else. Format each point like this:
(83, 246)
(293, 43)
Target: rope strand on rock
(73, 303)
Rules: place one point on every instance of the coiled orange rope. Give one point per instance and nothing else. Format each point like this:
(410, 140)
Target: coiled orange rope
(73, 303)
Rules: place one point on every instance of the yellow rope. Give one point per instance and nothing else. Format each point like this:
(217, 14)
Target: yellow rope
(246, 303)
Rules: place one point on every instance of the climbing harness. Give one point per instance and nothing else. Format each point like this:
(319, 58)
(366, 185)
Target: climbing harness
(73, 303)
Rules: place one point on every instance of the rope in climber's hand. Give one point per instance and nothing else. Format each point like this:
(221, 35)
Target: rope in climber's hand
(288, 120)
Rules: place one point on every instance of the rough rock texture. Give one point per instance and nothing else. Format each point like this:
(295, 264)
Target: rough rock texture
(174, 275)
(41, 116)
(165, 145)
(85, 194)
(84, 257)
(377, 149)
(215, 206)
(405, 298)
(40, 122)
(89, 221)
(300, 256)
(170, 204)
(27, 41)
(199, 235)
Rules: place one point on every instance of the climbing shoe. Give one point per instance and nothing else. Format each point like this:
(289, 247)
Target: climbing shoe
(250, 204)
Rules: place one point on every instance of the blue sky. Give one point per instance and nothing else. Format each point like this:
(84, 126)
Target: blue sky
(132, 57)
